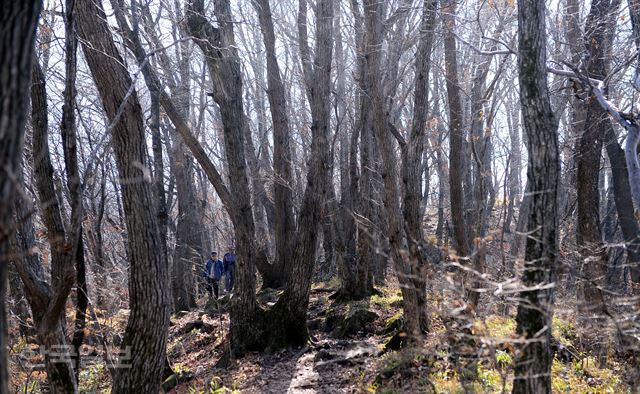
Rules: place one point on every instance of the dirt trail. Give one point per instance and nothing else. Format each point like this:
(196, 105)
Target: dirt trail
(328, 365)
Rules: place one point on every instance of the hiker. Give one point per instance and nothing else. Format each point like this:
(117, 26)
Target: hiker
(213, 272)
(229, 268)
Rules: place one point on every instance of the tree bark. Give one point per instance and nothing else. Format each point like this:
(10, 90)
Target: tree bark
(373, 13)
(623, 200)
(287, 320)
(221, 54)
(19, 21)
(456, 136)
(633, 137)
(63, 250)
(457, 172)
(593, 264)
(515, 165)
(282, 172)
(421, 252)
(145, 337)
(363, 202)
(188, 250)
(68, 131)
(533, 360)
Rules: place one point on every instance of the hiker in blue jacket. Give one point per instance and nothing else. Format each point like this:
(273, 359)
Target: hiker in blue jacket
(213, 272)
(229, 268)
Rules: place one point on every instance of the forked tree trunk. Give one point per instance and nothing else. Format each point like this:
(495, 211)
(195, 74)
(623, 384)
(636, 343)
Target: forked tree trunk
(49, 326)
(287, 320)
(533, 359)
(282, 183)
(373, 13)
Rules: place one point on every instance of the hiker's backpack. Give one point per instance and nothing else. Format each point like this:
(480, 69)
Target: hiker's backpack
(230, 258)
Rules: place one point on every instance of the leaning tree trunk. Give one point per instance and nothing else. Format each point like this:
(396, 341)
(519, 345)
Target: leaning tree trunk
(533, 359)
(146, 333)
(19, 21)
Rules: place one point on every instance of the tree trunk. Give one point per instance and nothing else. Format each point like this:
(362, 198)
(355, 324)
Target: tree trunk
(362, 282)
(189, 248)
(17, 293)
(218, 45)
(373, 12)
(145, 337)
(623, 200)
(533, 360)
(19, 21)
(456, 137)
(49, 326)
(287, 320)
(188, 234)
(633, 138)
(74, 182)
(593, 264)
(421, 253)
(344, 223)
(457, 163)
(282, 172)
(437, 138)
(515, 163)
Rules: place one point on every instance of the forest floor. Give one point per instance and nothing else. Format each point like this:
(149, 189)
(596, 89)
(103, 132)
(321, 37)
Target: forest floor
(349, 353)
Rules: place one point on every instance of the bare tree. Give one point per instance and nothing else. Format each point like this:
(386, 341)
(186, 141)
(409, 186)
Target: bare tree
(218, 46)
(534, 357)
(287, 320)
(422, 253)
(146, 333)
(283, 181)
(68, 130)
(49, 320)
(19, 21)
(593, 266)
